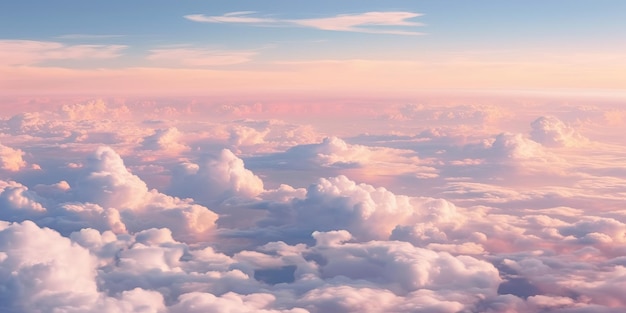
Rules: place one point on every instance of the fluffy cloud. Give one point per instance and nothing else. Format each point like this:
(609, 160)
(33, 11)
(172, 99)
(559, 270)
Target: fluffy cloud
(43, 271)
(93, 109)
(197, 302)
(109, 184)
(215, 179)
(552, 132)
(106, 196)
(167, 140)
(333, 155)
(340, 203)
(449, 208)
(11, 159)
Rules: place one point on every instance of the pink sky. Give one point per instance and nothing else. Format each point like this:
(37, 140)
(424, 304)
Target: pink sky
(347, 77)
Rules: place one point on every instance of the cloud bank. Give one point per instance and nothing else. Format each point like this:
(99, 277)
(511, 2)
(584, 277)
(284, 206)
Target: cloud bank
(180, 207)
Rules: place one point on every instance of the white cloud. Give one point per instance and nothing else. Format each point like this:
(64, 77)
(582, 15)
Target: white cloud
(364, 210)
(93, 109)
(332, 155)
(361, 22)
(166, 140)
(511, 221)
(45, 271)
(215, 179)
(368, 22)
(552, 132)
(30, 52)
(11, 159)
(197, 302)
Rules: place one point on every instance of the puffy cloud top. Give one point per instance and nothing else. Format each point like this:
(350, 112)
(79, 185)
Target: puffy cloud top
(44, 271)
(552, 132)
(215, 179)
(11, 159)
(108, 183)
(364, 210)
(167, 140)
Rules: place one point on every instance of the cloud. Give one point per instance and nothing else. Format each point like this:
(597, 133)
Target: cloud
(268, 215)
(30, 52)
(515, 146)
(11, 159)
(107, 183)
(197, 302)
(368, 22)
(106, 196)
(333, 155)
(45, 271)
(362, 22)
(166, 140)
(367, 212)
(18, 202)
(93, 109)
(552, 132)
(215, 179)
(232, 17)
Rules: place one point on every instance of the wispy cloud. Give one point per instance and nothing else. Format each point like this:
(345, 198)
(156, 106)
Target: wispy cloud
(29, 52)
(232, 17)
(87, 36)
(368, 22)
(188, 56)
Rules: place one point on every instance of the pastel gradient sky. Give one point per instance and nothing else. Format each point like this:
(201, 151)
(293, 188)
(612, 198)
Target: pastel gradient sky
(204, 156)
(372, 47)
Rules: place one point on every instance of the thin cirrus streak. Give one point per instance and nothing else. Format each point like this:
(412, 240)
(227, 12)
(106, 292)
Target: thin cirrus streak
(30, 52)
(362, 22)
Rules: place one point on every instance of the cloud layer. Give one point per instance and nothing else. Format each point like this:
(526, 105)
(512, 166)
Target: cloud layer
(198, 206)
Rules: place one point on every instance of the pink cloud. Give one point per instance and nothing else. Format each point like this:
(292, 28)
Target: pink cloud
(11, 159)
(361, 22)
(29, 52)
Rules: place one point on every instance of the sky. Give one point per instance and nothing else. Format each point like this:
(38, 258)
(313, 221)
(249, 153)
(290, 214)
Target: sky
(312, 157)
(371, 47)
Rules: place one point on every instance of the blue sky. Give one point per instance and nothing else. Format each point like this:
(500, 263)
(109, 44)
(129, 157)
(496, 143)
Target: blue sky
(449, 24)
(255, 35)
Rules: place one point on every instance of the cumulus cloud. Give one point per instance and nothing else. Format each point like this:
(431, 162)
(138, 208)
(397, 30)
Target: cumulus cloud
(339, 203)
(106, 196)
(45, 271)
(333, 154)
(244, 135)
(167, 140)
(198, 302)
(11, 159)
(109, 184)
(433, 212)
(93, 109)
(552, 132)
(508, 146)
(215, 179)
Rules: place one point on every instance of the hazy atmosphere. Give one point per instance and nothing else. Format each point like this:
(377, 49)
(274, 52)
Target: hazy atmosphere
(296, 156)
